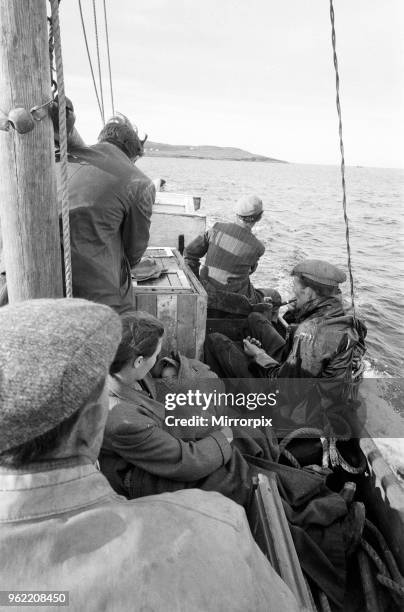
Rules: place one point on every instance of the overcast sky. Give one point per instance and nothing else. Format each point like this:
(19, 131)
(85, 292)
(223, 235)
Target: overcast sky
(255, 74)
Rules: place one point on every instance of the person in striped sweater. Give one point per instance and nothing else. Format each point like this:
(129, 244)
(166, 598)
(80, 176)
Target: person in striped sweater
(232, 253)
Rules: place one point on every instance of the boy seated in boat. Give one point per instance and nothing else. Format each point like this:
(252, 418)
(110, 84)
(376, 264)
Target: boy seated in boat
(63, 528)
(143, 453)
(232, 253)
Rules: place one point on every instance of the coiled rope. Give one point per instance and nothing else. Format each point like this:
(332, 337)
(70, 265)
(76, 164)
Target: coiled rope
(383, 576)
(63, 146)
(308, 432)
(324, 603)
(390, 584)
(388, 555)
(341, 144)
(331, 455)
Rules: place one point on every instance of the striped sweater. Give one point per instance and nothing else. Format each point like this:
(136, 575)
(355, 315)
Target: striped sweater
(232, 253)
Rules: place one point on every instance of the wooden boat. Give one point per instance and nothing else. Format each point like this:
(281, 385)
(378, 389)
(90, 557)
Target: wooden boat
(33, 256)
(380, 489)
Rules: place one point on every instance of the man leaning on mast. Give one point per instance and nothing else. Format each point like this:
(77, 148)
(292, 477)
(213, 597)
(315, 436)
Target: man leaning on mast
(63, 528)
(110, 202)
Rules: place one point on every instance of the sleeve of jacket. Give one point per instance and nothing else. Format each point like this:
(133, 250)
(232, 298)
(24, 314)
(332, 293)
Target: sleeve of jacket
(195, 250)
(304, 360)
(136, 226)
(260, 252)
(254, 267)
(156, 451)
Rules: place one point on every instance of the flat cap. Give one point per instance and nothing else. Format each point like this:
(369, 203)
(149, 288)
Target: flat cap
(53, 355)
(248, 206)
(320, 272)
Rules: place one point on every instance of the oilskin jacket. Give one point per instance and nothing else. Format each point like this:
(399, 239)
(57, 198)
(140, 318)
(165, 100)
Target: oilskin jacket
(323, 346)
(135, 435)
(110, 203)
(62, 528)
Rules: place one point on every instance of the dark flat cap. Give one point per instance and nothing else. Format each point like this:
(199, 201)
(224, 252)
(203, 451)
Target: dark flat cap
(53, 356)
(320, 272)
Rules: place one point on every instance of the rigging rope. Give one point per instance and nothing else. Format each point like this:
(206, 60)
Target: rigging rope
(63, 147)
(51, 46)
(109, 59)
(89, 58)
(341, 144)
(98, 61)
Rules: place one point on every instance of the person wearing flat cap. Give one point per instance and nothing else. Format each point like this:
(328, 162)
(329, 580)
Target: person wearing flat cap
(232, 253)
(63, 528)
(324, 343)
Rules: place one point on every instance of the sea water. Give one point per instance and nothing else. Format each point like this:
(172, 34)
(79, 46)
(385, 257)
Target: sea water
(304, 219)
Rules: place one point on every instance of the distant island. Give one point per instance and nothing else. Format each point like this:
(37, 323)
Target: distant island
(158, 149)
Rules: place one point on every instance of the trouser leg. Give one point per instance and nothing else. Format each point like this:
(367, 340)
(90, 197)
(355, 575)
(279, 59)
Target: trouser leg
(225, 357)
(262, 330)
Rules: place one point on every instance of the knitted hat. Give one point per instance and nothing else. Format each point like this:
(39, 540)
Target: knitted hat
(53, 355)
(320, 272)
(249, 206)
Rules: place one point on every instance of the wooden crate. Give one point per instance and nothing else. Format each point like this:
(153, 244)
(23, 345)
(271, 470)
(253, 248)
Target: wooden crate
(178, 300)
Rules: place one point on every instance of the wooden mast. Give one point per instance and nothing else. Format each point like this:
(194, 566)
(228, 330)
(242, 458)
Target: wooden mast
(28, 200)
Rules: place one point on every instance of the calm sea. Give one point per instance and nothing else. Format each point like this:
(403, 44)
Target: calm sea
(304, 218)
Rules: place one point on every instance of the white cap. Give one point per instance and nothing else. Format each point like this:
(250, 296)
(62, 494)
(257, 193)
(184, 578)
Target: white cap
(248, 206)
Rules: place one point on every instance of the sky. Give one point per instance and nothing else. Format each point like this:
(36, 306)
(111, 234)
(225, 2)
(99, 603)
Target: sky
(253, 74)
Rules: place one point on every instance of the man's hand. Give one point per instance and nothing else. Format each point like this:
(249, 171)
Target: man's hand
(70, 120)
(228, 433)
(252, 347)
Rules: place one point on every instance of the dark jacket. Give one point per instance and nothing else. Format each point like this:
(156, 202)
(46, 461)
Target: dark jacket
(322, 347)
(323, 343)
(110, 204)
(135, 436)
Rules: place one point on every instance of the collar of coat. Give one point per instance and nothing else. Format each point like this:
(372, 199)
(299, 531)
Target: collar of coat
(126, 393)
(327, 307)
